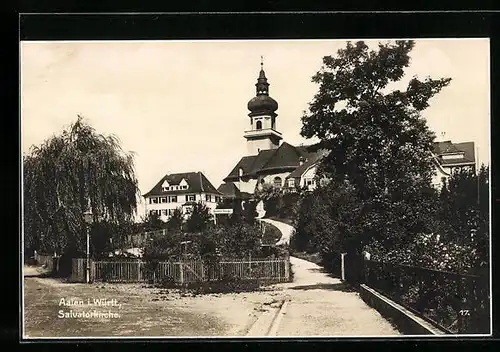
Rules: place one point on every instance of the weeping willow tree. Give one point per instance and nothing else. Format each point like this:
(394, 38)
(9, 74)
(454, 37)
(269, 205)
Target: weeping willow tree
(71, 173)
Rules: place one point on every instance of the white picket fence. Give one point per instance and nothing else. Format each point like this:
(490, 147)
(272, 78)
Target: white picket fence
(183, 272)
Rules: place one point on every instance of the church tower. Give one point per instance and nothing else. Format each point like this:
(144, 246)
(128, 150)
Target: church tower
(262, 133)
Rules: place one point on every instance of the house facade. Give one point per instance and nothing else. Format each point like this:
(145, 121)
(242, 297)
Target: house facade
(183, 191)
(450, 156)
(271, 161)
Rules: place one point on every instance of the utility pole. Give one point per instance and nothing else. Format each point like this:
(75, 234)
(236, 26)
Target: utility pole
(88, 220)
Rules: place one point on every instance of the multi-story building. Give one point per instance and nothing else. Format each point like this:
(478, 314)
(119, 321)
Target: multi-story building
(183, 191)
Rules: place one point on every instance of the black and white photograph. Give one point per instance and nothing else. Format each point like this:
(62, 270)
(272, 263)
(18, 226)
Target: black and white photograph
(255, 188)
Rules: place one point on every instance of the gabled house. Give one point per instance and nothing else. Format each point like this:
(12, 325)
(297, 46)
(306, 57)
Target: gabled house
(450, 156)
(181, 190)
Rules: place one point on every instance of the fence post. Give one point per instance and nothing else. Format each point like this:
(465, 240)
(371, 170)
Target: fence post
(250, 265)
(342, 266)
(138, 271)
(202, 270)
(287, 269)
(92, 271)
(182, 272)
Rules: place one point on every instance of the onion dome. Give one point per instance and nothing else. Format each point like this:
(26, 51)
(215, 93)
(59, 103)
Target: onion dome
(262, 103)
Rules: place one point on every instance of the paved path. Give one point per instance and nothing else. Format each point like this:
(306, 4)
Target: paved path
(286, 231)
(320, 305)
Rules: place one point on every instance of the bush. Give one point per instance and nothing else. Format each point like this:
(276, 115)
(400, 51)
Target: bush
(271, 234)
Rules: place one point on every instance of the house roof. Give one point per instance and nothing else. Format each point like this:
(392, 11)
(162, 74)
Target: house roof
(286, 156)
(447, 147)
(197, 183)
(298, 172)
(230, 190)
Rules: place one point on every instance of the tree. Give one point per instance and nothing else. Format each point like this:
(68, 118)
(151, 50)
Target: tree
(199, 219)
(464, 212)
(375, 136)
(67, 174)
(270, 196)
(176, 221)
(152, 222)
(238, 239)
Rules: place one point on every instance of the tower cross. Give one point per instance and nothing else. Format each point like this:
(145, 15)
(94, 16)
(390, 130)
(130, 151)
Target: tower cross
(261, 61)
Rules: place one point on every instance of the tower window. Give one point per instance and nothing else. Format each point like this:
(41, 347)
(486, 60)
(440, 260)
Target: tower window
(258, 125)
(277, 181)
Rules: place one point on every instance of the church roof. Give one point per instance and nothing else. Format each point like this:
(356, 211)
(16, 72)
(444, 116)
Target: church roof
(230, 190)
(286, 156)
(197, 183)
(313, 159)
(447, 147)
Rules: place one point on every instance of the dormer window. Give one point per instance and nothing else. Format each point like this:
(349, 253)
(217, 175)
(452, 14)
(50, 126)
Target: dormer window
(240, 172)
(165, 185)
(183, 184)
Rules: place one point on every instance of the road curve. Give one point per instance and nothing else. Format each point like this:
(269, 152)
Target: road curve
(285, 229)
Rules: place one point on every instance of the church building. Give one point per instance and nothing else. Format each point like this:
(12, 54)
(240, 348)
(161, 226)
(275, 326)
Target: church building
(268, 159)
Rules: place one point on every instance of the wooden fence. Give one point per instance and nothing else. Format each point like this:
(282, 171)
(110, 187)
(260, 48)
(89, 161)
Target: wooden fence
(140, 239)
(50, 262)
(183, 272)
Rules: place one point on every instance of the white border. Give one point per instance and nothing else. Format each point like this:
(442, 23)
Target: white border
(332, 337)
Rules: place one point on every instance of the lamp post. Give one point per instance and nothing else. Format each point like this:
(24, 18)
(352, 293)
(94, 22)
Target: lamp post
(88, 220)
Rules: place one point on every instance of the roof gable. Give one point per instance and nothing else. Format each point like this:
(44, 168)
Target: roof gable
(298, 172)
(196, 181)
(447, 147)
(285, 156)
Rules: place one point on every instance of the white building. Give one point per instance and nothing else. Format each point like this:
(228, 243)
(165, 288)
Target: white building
(182, 190)
(449, 156)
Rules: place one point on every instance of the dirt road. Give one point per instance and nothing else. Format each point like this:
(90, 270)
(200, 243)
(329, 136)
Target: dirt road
(143, 310)
(315, 304)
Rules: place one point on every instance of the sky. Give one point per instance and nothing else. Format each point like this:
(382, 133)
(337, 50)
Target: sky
(181, 106)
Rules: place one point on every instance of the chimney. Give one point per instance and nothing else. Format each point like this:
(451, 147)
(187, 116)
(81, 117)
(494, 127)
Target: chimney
(301, 160)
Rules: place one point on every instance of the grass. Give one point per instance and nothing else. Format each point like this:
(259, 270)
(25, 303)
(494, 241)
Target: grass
(271, 234)
(310, 257)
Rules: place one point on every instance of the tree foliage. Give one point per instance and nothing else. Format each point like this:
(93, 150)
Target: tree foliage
(377, 141)
(68, 173)
(375, 135)
(152, 222)
(279, 202)
(176, 221)
(199, 219)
